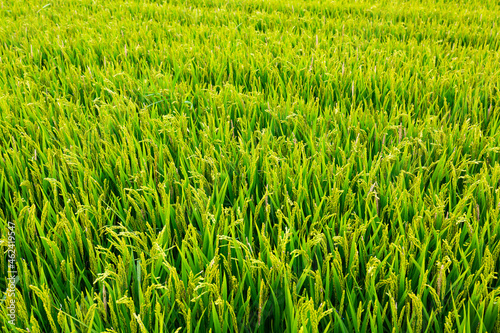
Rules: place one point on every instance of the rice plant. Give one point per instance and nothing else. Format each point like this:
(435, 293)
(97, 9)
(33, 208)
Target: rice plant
(250, 166)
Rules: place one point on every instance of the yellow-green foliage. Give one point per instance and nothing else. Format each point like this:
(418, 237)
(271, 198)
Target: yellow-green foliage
(251, 166)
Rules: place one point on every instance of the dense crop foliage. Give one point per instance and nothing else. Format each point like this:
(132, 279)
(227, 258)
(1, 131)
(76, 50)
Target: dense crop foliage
(251, 166)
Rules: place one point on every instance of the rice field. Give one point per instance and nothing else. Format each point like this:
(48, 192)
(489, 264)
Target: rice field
(249, 166)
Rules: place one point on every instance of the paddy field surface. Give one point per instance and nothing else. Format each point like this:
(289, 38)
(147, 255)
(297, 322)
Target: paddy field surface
(249, 166)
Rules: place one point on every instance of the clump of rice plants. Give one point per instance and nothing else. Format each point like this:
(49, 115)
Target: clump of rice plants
(250, 166)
